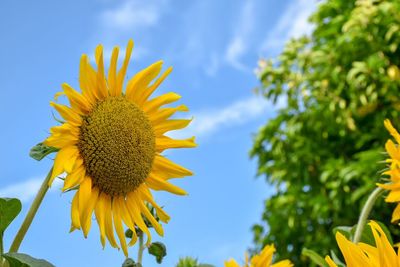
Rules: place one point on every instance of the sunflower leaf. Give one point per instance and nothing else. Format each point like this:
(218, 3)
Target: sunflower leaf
(158, 250)
(314, 257)
(40, 151)
(24, 260)
(9, 209)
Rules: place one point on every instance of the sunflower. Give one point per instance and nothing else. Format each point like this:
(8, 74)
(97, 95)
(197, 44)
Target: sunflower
(355, 255)
(110, 146)
(264, 259)
(394, 170)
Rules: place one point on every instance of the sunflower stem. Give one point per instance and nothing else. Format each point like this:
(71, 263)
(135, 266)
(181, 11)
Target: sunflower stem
(366, 210)
(31, 213)
(141, 248)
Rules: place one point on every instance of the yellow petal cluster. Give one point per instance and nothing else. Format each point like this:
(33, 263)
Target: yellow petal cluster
(108, 131)
(364, 255)
(393, 186)
(263, 259)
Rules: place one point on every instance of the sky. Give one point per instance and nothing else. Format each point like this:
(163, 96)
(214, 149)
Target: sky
(213, 47)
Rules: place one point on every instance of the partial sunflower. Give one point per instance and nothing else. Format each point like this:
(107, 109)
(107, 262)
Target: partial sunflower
(110, 147)
(361, 254)
(264, 259)
(393, 186)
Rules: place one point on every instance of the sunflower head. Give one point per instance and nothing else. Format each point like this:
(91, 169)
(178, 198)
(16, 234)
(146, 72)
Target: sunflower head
(110, 147)
(361, 254)
(263, 259)
(393, 150)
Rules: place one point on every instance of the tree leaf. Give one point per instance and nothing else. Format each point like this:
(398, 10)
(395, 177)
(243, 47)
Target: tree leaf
(40, 151)
(24, 260)
(9, 209)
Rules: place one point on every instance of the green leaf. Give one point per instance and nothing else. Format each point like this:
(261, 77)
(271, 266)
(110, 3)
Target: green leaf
(40, 151)
(24, 260)
(158, 250)
(317, 259)
(9, 209)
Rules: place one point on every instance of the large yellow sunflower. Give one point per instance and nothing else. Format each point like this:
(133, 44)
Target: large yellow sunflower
(264, 259)
(393, 151)
(364, 255)
(110, 146)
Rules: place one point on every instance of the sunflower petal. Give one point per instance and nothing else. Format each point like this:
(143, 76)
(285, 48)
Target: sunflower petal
(139, 83)
(109, 222)
(112, 73)
(77, 101)
(101, 89)
(168, 168)
(142, 98)
(118, 226)
(122, 71)
(157, 183)
(75, 222)
(152, 105)
(165, 142)
(64, 157)
(67, 113)
(170, 125)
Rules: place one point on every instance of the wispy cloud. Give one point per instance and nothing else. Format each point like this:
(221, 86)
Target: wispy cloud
(238, 46)
(293, 23)
(26, 190)
(209, 121)
(131, 15)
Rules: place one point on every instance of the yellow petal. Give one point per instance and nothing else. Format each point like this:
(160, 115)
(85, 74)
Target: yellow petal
(147, 196)
(330, 262)
(61, 141)
(139, 83)
(87, 79)
(158, 183)
(169, 169)
(165, 142)
(64, 157)
(101, 89)
(122, 71)
(164, 113)
(146, 213)
(141, 99)
(76, 176)
(75, 222)
(67, 113)
(77, 101)
(134, 210)
(100, 211)
(170, 125)
(85, 195)
(118, 227)
(127, 218)
(392, 130)
(108, 221)
(152, 105)
(112, 73)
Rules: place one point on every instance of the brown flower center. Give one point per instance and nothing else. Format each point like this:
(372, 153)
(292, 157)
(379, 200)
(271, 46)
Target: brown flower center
(117, 144)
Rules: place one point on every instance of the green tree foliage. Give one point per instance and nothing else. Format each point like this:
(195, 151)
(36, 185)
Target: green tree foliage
(323, 149)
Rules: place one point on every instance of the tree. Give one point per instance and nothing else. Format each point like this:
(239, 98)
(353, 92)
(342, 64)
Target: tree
(323, 149)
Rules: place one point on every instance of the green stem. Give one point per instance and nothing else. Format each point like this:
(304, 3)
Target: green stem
(366, 210)
(141, 249)
(31, 213)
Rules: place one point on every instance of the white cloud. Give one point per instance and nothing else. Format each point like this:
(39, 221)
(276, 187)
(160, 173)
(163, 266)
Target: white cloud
(293, 23)
(131, 14)
(209, 121)
(238, 46)
(26, 190)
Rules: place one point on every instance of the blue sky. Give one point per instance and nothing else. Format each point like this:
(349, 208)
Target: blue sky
(213, 46)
